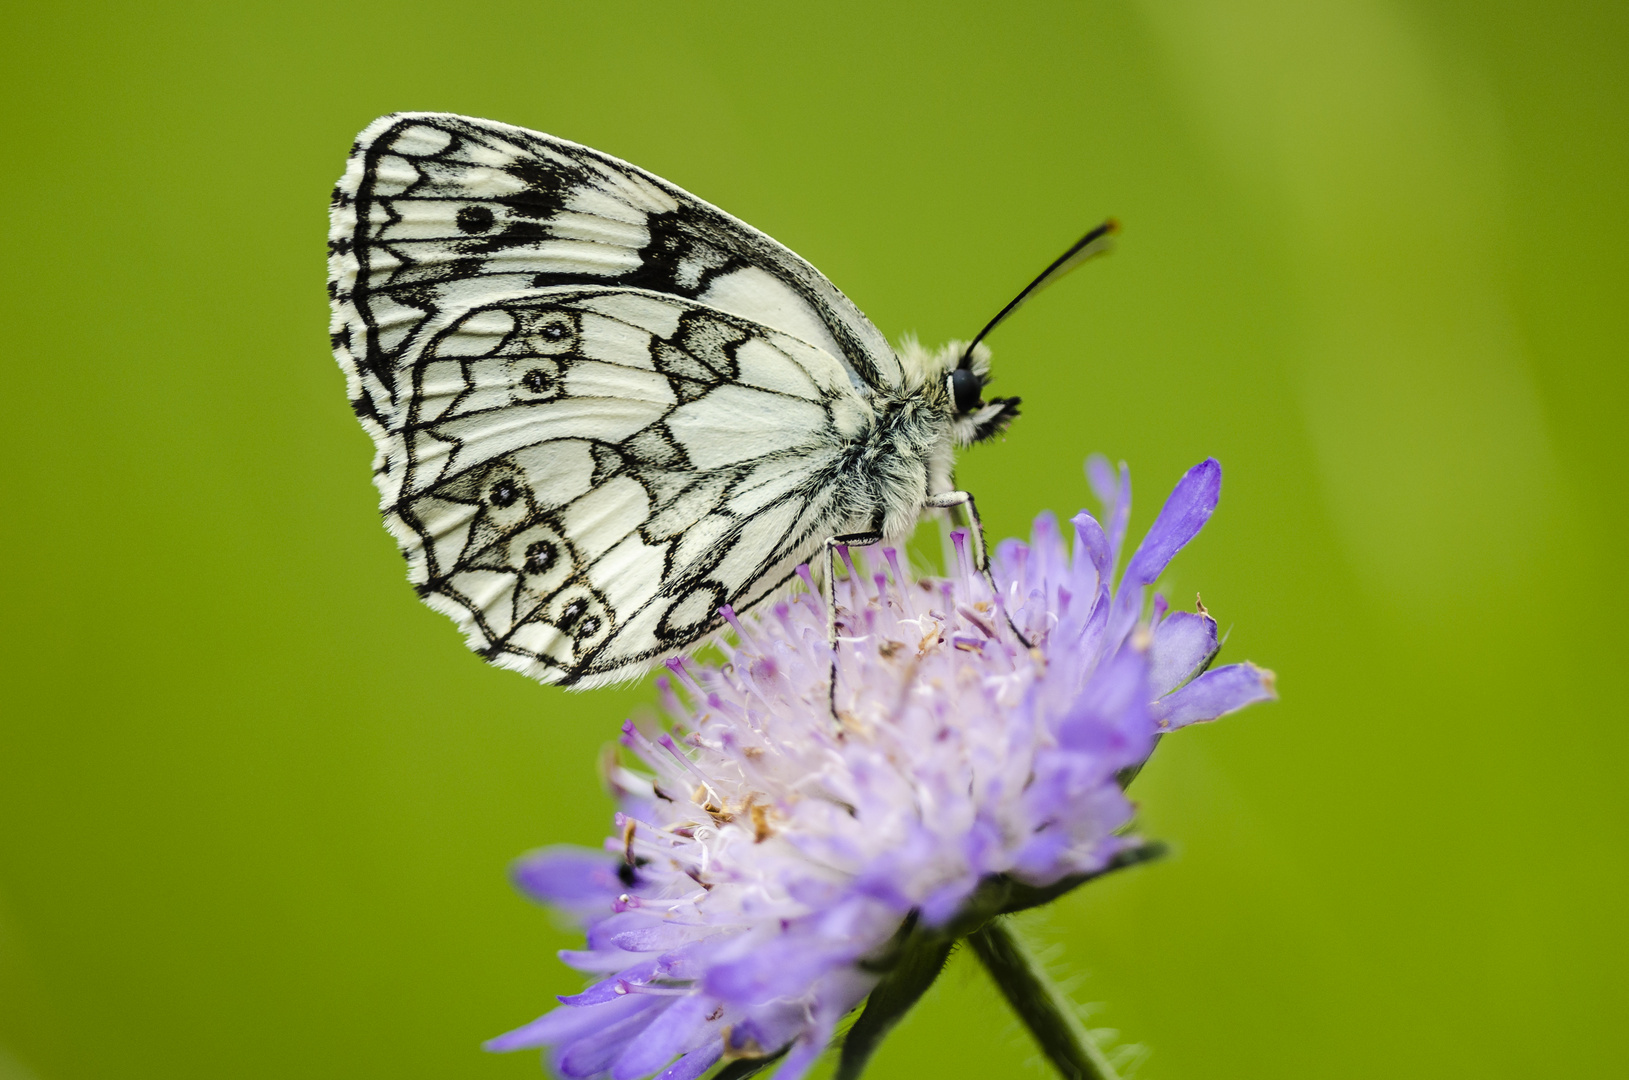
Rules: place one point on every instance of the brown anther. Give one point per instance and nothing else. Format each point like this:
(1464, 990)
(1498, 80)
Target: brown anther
(888, 648)
(627, 841)
(1199, 605)
(760, 823)
(748, 1049)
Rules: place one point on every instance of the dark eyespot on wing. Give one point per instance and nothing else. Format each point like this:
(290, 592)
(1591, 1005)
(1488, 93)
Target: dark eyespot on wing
(475, 218)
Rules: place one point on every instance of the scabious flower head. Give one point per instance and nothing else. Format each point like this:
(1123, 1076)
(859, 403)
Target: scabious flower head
(772, 851)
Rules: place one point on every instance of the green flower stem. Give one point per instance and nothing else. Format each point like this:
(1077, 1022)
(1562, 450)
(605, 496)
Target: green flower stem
(1049, 1015)
(917, 954)
(917, 960)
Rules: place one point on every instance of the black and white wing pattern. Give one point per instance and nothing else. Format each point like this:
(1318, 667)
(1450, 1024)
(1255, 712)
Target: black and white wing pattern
(437, 212)
(602, 408)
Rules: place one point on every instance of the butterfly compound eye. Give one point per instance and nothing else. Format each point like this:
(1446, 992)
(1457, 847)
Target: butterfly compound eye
(965, 388)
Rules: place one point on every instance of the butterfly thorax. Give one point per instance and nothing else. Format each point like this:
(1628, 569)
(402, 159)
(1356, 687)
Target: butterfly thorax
(908, 457)
(911, 454)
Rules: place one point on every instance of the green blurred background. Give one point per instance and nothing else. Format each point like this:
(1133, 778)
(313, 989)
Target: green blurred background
(256, 803)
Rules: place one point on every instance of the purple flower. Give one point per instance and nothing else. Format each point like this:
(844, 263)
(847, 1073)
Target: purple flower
(771, 854)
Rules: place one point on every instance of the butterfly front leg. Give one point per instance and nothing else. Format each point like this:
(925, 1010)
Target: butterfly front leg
(829, 594)
(981, 562)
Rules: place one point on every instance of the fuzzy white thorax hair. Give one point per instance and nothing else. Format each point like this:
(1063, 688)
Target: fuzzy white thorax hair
(921, 429)
(925, 367)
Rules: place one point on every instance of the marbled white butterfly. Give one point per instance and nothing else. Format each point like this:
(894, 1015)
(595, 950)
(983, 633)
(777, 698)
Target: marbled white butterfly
(604, 408)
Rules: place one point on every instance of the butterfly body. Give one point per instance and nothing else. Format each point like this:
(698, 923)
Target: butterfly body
(603, 409)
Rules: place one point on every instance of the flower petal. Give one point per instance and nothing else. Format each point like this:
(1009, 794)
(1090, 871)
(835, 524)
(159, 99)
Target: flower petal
(1215, 693)
(1184, 643)
(1110, 718)
(594, 962)
(661, 936)
(1039, 855)
(693, 1064)
(1115, 495)
(1179, 521)
(784, 967)
(682, 1026)
(594, 1051)
(578, 879)
(804, 1053)
(564, 1024)
(1090, 541)
(941, 905)
(606, 989)
(769, 1029)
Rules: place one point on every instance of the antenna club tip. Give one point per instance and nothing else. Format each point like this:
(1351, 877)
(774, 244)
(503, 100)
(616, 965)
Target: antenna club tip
(1111, 226)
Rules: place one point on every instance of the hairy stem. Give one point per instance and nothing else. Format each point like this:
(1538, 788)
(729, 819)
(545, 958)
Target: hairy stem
(1042, 1007)
(920, 959)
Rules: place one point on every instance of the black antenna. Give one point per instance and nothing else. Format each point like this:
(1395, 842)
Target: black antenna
(1095, 242)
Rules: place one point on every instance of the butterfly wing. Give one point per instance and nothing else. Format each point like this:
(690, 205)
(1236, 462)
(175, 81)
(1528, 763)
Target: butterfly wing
(436, 212)
(581, 476)
(602, 407)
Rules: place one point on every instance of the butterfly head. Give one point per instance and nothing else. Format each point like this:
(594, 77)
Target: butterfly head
(955, 379)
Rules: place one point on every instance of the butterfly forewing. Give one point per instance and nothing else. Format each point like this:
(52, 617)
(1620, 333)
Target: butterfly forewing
(436, 212)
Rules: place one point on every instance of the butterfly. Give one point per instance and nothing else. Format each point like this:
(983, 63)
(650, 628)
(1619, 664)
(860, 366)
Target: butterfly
(605, 409)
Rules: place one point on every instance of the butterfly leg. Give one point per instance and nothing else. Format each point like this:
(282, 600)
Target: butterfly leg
(981, 562)
(829, 589)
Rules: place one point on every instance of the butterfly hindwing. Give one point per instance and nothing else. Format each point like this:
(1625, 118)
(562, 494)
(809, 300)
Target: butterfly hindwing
(580, 477)
(436, 213)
